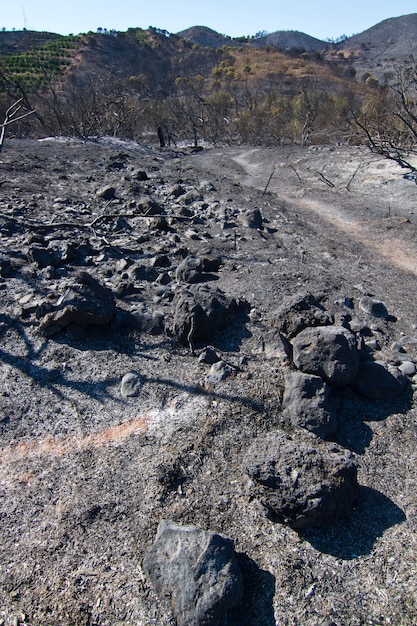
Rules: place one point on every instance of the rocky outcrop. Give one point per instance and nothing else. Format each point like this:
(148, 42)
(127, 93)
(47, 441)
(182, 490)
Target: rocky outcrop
(199, 312)
(85, 303)
(301, 481)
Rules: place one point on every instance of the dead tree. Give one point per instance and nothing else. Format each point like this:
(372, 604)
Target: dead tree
(13, 114)
(388, 119)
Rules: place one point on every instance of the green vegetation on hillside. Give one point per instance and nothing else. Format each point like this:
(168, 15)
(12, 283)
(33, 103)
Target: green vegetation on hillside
(47, 58)
(129, 83)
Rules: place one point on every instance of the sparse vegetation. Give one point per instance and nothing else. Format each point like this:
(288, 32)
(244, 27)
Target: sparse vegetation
(241, 92)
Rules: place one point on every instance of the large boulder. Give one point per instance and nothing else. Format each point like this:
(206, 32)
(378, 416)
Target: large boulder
(309, 403)
(330, 352)
(200, 311)
(301, 481)
(197, 571)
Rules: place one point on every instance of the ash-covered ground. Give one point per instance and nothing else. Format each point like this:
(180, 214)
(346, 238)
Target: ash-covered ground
(87, 470)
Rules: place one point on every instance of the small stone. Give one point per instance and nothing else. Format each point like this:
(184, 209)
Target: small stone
(131, 385)
(140, 175)
(408, 368)
(251, 219)
(397, 347)
(373, 344)
(209, 355)
(107, 193)
(219, 371)
(408, 340)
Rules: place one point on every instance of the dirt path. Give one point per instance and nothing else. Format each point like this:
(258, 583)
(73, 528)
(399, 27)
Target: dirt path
(384, 241)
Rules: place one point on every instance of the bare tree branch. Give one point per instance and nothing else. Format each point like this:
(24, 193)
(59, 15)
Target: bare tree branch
(12, 115)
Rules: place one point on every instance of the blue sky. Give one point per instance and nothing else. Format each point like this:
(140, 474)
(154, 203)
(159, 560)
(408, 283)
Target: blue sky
(319, 18)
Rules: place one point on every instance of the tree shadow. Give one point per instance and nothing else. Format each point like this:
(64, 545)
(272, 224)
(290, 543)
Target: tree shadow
(258, 594)
(53, 379)
(355, 536)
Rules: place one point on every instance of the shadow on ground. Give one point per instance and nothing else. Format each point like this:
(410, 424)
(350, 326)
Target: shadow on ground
(355, 536)
(353, 433)
(258, 595)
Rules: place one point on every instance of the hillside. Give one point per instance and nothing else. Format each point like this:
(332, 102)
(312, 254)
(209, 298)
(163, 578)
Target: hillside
(132, 82)
(288, 39)
(383, 47)
(198, 85)
(203, 36)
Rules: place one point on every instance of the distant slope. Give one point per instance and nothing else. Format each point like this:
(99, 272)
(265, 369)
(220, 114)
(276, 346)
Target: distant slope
(287, 39)
(379, 49)
(283, 39)
(394, 33)
(204, 36)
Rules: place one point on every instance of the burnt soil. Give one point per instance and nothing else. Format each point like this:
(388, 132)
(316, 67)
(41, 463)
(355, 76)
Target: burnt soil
(86, 474)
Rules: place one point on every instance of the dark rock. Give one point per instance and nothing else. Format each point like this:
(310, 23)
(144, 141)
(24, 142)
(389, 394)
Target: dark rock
(140, 175)
(327, 351)
(209, 355)
(200, 311)
(379, 381)
(303, 482)
(152, 323)
(251, 219)
(148, 206)
(160, 222)
(373, 307)
(206, 186)
(197, 571)
(273, 345)
(161, 260)
(140, 272)
(211, 264)
(190, 197)
(107, 193)
(219, 371)
(177, 190)
(309, 403)
(163, 279)
(344, 301)
(299, 311)
(190, 270)
(44, 257)
(86, 303)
